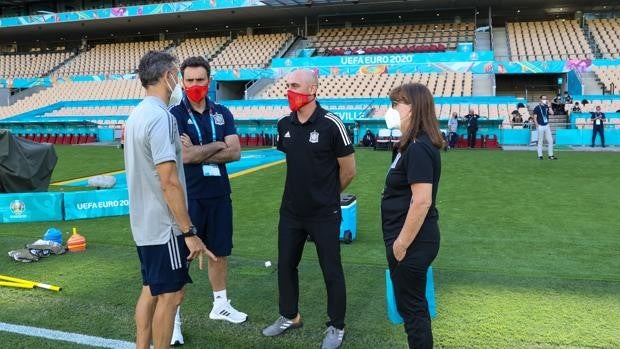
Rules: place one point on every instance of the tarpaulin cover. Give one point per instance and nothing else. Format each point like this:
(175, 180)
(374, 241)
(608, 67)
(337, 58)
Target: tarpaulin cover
(25, 166)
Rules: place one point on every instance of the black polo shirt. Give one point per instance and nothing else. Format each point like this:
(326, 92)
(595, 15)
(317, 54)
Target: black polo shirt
(419, 163)
(312, 187)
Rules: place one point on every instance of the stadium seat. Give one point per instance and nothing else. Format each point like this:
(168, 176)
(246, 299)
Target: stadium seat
(252, 140)
(384, 139)
(491, 142)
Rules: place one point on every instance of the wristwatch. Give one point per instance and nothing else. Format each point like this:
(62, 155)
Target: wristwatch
(191, 232)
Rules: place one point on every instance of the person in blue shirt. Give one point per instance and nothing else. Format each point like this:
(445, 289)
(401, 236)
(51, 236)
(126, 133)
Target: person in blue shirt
(542, 112)
(209, 140)
(598, 125)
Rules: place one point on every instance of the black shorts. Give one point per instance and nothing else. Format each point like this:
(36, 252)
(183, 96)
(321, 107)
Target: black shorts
(214, 220)
(165, 268)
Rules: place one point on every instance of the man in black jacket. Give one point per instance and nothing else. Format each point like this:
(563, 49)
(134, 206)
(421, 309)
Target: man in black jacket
(472, 127)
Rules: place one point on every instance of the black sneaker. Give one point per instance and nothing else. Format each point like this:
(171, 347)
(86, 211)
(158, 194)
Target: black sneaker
(540, 158)
(552, 158)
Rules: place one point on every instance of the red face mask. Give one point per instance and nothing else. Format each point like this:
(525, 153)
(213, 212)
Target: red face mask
(196, 93)
(297, 100)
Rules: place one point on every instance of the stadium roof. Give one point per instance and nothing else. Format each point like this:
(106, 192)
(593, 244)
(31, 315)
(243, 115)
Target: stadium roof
(283, 14)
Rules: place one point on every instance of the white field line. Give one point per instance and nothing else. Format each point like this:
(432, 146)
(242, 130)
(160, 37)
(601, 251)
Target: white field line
(66, 336)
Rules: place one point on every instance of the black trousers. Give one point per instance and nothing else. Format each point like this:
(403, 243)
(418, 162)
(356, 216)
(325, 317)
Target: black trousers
(453, 137)
(471, 137)
(292, 234)
(601, 131)
(409, 280)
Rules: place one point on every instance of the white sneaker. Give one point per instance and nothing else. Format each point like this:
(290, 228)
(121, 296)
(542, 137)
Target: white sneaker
(177, 336)
(225, 311)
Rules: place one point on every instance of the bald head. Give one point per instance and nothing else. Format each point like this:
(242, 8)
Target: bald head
(303, 81)
(306, 75)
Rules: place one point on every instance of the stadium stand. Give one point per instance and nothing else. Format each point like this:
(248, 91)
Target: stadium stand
(30, 64)
(71, 91)
(91, 111)
(263, 48)
(547, 40)
(116, 58)
(206, 47)
(433, 37)
(606, 34)
(373, 85)
(494, 111)
(609, 77)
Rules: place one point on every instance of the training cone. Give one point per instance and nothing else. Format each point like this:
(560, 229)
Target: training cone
(76, 242)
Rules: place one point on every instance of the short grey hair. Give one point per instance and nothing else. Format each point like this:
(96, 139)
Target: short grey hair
(153, 65)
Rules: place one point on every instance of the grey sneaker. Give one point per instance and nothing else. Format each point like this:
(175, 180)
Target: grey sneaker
(280, 326)
(333, 338)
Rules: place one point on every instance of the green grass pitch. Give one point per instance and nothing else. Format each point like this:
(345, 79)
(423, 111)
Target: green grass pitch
(529, 258)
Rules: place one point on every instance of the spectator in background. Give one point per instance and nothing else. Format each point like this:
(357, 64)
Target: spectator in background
(584, 102)
(369, 139)
(567, 98)
(472, 127)
(528, 123)
(517, 119)
(557, 105)
(542, 112)
(453, 125)
(576, 108)
(598, 125)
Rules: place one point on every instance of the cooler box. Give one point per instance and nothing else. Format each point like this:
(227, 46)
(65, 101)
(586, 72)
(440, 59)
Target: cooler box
(348, 226)
(393, 314)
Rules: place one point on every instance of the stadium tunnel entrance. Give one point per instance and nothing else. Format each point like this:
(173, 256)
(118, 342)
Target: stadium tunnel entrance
(231, 90)
(530, 86)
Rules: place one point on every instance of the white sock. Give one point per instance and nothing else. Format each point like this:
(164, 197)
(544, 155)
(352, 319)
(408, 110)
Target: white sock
(220, 296)
(177, 318)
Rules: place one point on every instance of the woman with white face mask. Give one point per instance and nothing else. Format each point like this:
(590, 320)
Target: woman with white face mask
(408, 213)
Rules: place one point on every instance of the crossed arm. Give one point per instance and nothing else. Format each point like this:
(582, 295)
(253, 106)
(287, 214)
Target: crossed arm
(215, 152)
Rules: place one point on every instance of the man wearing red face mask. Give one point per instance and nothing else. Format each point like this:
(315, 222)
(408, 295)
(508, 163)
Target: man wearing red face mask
(320, 164)
(209, 140)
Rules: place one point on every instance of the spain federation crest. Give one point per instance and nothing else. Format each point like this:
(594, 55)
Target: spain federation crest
(314, 137)
(218, 119)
